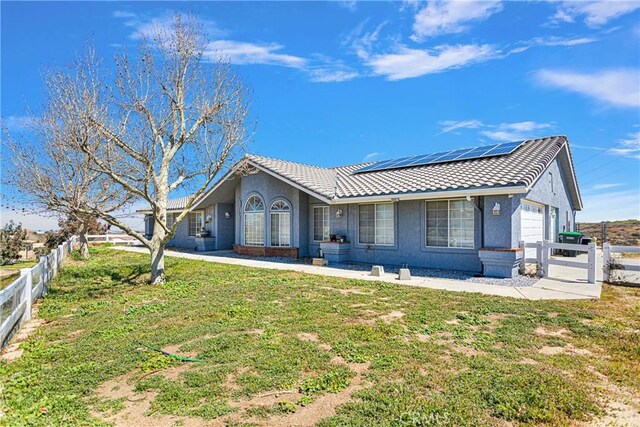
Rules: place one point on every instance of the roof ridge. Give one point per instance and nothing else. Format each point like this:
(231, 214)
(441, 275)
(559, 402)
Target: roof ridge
(249, 155)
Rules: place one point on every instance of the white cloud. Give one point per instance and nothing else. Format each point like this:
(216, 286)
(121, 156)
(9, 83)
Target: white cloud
(502, 132)
(239, 52)
(562, 41)
(325, 75)
(450, 16)
(619, 87)
(15, 123)
(350, 5)
(594, 13)
(607, 186)
(407, 63)
(371, 156)
(451, 125)
(123, 14)
(143, 27)
(516, 131)
(628, 147)
(598, 207)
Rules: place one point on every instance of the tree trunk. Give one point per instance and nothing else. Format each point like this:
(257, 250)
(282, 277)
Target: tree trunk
(84, 243)
(157, 264)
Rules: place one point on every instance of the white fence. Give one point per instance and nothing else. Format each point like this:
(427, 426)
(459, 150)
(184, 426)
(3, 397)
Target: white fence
(610, 265)
(118, 239)
(16, 299)
(543, 257)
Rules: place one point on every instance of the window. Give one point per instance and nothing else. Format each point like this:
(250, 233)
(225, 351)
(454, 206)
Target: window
(254, 222)
(450, 223)
(376, 224)
(171, 219)
(280, 223)
(196, 221)
(320, 223)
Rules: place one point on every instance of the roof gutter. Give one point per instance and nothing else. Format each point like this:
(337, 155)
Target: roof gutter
(516, 189)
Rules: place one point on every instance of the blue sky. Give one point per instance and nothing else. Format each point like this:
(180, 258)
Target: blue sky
(341, 82)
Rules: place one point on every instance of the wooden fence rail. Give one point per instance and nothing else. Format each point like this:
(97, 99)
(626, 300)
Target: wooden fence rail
(608, 263)
(118, 239)
(543, 257)
(16, 300)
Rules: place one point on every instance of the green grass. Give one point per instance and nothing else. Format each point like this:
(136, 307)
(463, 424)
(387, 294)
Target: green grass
(452, 358)
(10, 272)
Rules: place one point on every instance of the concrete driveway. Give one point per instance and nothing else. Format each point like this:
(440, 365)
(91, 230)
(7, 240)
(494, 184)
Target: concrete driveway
(564, 283)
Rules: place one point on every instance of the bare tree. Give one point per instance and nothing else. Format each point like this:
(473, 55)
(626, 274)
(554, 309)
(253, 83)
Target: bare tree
(168, 119)
(53, 178)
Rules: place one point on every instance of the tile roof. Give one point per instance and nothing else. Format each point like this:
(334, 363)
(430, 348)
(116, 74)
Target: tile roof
(522, 167)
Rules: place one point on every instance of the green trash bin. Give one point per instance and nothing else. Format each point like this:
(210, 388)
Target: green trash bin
(573, 237)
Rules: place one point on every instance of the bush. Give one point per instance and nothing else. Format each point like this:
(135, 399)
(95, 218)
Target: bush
(11, 242)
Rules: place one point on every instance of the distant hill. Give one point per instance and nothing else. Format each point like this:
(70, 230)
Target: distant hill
(623, 233)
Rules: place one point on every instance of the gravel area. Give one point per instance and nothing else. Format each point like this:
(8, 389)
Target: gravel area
(519, 281)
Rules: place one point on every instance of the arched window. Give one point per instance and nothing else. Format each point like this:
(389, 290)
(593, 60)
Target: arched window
(254, 222)
(280, 223)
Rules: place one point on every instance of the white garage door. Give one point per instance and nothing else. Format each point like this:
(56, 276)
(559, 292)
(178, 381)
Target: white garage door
(532, 225)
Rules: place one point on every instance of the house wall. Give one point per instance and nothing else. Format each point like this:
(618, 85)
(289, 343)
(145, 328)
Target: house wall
(269, 189)
(410, 240)
(551, 190)
(181, 238)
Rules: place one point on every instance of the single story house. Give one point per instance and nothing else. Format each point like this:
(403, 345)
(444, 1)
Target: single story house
(464, 209)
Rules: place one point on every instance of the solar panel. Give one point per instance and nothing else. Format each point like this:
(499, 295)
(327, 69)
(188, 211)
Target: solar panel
(444, 157)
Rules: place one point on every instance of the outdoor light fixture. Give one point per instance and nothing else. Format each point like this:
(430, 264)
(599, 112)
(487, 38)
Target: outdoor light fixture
(338, 213)
(468, 197)
(496, 209)
(208, 218)
(227, 215)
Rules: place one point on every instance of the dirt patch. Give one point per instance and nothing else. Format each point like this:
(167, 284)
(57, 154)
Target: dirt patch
(255, 331)
(394, 315)
(136, 405)
(349, 291)
(423, 337)
(75, 334)
(560, 333)
(622, 407)
(13, 350)
(326, 405)
(527, 361)
(569, 349)
(467, 351)
(308, 336)
(230, 381)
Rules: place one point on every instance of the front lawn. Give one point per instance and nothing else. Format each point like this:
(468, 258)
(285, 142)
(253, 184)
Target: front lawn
(284, 348)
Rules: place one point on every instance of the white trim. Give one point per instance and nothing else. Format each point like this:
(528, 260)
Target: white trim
(438, 195)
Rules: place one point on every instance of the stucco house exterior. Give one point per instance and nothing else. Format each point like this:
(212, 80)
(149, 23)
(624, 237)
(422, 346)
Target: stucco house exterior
(453, 210)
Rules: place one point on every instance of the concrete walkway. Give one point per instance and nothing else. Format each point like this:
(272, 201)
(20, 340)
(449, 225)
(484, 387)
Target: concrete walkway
(564, 283)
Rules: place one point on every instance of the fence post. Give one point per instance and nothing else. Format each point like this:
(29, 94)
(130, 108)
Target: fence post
(523, 259)
(539, 259)
(27, 292)
(54, 264)
(591, 263)
(606, 262)
(60, 255)
(545, 258)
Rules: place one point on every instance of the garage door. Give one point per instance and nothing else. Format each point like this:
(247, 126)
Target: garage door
(532, 225)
